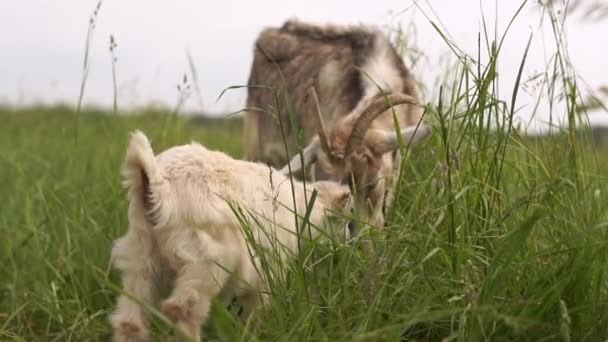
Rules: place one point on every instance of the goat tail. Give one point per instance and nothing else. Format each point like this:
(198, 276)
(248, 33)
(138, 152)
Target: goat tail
(144, 180)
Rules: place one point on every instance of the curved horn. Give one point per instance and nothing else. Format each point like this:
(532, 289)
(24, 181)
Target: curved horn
(377, 105)
(323, 138)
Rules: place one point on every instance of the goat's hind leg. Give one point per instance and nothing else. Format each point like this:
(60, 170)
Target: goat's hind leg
(134, 256)
(190, 301)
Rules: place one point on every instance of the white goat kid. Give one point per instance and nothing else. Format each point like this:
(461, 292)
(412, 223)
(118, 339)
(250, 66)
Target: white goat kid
(180, 223)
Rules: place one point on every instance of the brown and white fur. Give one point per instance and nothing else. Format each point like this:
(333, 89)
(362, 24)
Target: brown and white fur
(348, 67)
(182, 226)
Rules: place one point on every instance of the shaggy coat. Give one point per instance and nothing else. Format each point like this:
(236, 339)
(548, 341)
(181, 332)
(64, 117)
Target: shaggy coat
(182, 225)
(347, 67)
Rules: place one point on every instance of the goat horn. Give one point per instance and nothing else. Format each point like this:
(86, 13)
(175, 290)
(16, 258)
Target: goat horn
(323, 138)
(377, 105)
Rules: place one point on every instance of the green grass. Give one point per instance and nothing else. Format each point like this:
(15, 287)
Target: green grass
(471, 251)
(493, 236)
(62, 207)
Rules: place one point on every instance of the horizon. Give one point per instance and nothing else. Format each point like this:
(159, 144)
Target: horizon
(152, 58)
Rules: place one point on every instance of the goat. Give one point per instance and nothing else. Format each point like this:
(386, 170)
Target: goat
(360, 80)
(182, 225)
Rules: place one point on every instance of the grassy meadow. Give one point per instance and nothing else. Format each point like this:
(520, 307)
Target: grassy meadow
(493, 236)
(490, 238)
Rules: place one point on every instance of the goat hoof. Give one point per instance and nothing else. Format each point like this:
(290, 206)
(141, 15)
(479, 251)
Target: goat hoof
(129, 331)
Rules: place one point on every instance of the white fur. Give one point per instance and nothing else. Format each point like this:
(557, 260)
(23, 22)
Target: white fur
(379, 71)
(181, 223)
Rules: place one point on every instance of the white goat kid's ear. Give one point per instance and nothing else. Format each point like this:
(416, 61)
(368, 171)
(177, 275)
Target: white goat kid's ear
(310, 155)
(343, 199)
(381, 141)
(338, 194)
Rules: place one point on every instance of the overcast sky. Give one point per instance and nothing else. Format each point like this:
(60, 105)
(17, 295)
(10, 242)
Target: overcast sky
(42, 44)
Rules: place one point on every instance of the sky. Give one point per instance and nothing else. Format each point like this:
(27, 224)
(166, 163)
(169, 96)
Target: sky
(42, 46)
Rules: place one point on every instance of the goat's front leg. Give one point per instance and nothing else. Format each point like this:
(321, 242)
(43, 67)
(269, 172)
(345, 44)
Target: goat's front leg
(134, 256)
(196, 285)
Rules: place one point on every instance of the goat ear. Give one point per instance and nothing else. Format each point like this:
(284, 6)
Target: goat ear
(342, 199)
(310, 156)
(382, 142)
(338, 194)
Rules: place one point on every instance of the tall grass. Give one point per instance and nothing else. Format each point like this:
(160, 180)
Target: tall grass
(493, 235)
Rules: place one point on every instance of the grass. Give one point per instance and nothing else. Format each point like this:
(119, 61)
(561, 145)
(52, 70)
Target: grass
(493, 236)
(469, 256)
(63, 206)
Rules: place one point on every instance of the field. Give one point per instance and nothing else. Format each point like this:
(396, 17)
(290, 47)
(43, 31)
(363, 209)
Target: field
(491, 238)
